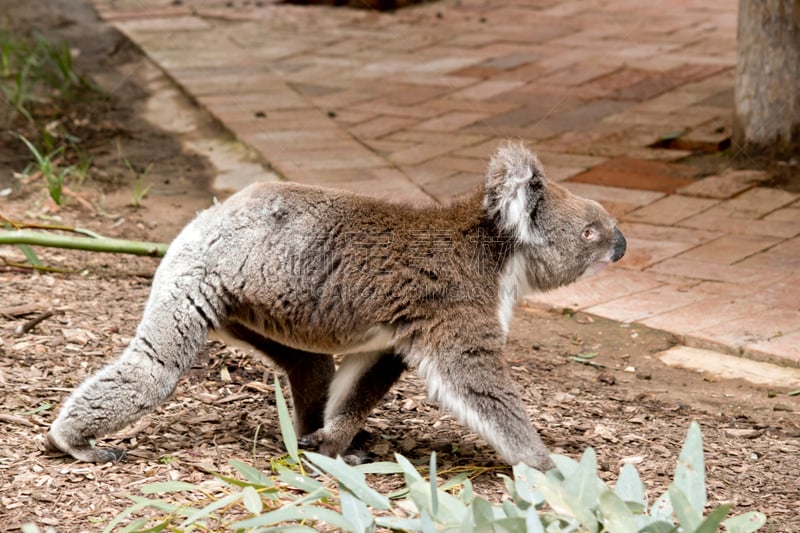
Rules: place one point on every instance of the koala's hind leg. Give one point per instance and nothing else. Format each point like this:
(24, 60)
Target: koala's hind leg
(310, 375)
(477, 387)
(173, 329)
(360, 382)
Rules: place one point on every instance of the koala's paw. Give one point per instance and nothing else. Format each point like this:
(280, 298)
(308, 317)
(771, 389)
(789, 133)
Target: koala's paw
(355, 457)
(87, 454)
(325, 442)
(546, 464)
(321, 441)
(312, 441)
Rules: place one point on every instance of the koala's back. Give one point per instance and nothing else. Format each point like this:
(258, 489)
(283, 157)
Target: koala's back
(324, 270)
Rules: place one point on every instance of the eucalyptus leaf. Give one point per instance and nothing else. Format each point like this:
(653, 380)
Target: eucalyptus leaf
(616, 515)
(298, 480)
(482, 514)
(136, 525)
(688, 518)
(168, 486)
(399, 524)
(553, 494)
(156, 528)
(629, 486)
(356, 512)
(745, 523)
(252, 500)
(566, 465)
(434, 490)
(251, 474)
(381, 467)
(207, 511)
(319, 494)
(659, 526)
(451, 510)
(426, 522)
(690, 472)
(456, 480)
(296, 514)
(467, 494)
(525, 484)
(467, 524)
(409, 470)
(285, 419)
(270, 491)
(285, 529)
(511, 510)
(712, 522)
(582, 492)
(511, 489)
(349, 477)
(532, 521)
(162, 506)
(139, 504)
(662, 508)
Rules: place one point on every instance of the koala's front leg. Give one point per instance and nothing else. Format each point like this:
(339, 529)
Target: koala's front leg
(360, 382)
(476, 386)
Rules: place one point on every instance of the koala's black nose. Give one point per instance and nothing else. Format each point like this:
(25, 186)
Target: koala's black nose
(619, 245)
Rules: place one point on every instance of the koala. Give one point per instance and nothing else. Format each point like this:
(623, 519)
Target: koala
(300, 273)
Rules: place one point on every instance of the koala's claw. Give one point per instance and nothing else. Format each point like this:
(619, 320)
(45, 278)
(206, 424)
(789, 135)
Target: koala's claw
(110, 455)
(355, 457)
(325, 443)
(312, 440)
(318, 441)
(86, 454)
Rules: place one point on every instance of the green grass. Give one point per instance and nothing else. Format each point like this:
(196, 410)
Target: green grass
(48, 165)
(36, 69)
(37, 73)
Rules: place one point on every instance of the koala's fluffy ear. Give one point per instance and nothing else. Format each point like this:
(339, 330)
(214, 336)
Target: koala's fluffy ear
(515, 185)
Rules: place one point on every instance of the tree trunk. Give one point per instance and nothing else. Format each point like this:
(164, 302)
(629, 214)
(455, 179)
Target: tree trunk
(767, 119)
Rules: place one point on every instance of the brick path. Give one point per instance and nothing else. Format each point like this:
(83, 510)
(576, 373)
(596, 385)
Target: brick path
(611, 94)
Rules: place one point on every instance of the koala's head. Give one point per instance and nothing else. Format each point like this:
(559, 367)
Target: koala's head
(559, 235)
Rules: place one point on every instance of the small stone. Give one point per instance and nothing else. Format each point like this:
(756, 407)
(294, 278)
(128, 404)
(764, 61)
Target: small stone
(743, 433)
(77, 336)
(562, 397)
(381, 449)
(782, 407)
(606, 433)
(408, 444)
(630, 369)
(607, 378)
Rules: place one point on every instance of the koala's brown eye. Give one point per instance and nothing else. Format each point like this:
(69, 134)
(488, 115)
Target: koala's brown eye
(589, 233)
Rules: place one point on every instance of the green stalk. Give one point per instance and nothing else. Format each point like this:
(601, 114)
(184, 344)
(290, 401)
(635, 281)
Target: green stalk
(103, 244)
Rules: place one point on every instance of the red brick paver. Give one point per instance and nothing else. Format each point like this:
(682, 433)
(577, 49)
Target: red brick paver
(612, 94)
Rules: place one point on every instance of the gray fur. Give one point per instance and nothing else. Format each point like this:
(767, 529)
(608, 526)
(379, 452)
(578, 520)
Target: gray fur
(301, 273)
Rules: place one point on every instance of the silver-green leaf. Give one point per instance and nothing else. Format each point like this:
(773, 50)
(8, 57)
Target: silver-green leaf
(690, 472)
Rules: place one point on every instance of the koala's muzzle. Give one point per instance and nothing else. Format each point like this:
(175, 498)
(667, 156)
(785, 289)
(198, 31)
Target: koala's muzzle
(620, 244)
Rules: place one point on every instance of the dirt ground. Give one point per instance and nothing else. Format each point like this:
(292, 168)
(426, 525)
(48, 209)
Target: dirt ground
(633, 408)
